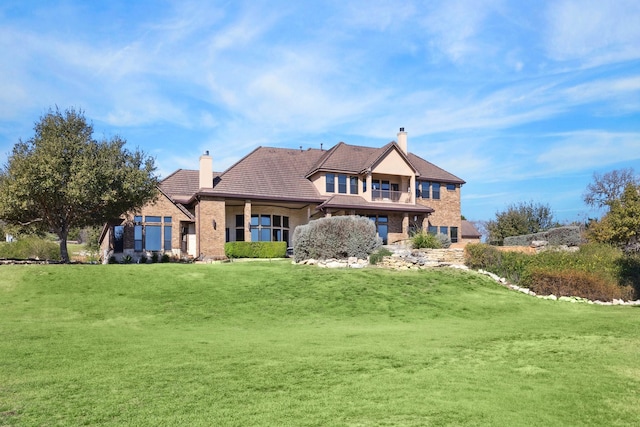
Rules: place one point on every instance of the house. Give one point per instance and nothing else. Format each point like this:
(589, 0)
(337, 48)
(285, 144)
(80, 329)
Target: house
(271, 191)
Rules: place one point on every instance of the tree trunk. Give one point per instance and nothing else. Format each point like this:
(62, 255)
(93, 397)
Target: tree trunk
(64, 253)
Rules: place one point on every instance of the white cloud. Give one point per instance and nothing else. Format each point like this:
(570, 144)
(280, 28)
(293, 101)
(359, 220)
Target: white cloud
(593, 31)
(588, 150)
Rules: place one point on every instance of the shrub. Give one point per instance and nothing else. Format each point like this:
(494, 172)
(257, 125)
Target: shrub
(576, 283)
(154, 257)
(378, 255)
(127, 259)
(31, 247)
(165, 258)
(613, 274)
(142, 259)
(424, 240)
(255, 249)
(445, 241)
(481, 256)
(335, 237)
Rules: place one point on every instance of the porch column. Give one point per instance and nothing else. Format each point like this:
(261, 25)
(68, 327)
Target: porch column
(412, 190)
(405, 225)
(368, 196)
(247, 220)
(425, 223)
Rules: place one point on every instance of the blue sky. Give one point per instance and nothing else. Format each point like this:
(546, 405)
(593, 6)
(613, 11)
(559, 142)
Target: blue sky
(523, 100)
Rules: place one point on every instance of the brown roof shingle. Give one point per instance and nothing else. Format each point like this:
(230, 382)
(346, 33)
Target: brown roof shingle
(271, 173)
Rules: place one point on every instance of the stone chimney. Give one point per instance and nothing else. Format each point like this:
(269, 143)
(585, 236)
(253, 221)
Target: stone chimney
(206, 170)
(402, 140)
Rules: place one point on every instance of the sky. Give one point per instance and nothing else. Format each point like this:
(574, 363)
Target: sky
(522, 100)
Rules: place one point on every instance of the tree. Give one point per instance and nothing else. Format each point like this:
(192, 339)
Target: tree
(519, 219)
(608, 187)
(62, 177)
(621, 225)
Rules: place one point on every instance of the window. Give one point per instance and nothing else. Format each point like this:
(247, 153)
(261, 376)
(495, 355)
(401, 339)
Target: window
(364, 185)
(137, 238)
(435, 190)
(153, 238)
(331, 186)
(382, 226)
(451, 187)
(432, 230)
(454, 234)
(167, 235)
(444, 230)
(239, 228)
(353, 184)
(265, 228)
(342, 184)
(118, 238)
(268, 228)
(425, 189)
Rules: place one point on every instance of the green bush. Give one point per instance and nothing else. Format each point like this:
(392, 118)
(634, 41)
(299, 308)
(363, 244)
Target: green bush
(255, 249)
(481, 256)
(335, 237)
(424, 240)
(378, 255)
(31, 247)
(165, 258)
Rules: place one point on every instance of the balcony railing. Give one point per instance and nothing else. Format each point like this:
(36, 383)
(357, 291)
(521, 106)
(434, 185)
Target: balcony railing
(390, 196)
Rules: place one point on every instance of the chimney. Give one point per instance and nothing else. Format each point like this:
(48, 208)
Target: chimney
(206, 170)
(402, 140)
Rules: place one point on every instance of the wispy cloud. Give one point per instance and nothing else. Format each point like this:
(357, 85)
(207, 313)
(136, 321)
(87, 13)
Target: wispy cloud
(593, 32)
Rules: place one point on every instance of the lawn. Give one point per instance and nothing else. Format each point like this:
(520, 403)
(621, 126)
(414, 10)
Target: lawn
(271, 344)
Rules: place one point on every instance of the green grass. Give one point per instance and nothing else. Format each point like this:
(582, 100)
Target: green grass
(260, 344)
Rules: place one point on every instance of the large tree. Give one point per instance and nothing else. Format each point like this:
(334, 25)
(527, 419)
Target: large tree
(621, 225)
(608, 187)
(518, 219)
(62, 177)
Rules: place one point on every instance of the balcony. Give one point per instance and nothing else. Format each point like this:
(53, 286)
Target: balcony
(390, 196)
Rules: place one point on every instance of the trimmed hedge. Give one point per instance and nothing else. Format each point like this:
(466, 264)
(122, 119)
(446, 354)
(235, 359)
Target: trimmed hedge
(569, 236)
(335, 237)
(255, 249)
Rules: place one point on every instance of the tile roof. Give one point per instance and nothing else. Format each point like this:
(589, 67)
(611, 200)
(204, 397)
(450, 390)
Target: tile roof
(432, 172)
(469, 230)
(271, 173)
(281, 173)
(182, 184)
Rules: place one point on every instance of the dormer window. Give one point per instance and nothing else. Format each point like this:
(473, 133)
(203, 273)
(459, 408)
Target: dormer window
(331, 183)
(342, 184)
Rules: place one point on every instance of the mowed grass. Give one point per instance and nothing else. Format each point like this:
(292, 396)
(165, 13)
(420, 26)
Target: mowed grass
(271, 344)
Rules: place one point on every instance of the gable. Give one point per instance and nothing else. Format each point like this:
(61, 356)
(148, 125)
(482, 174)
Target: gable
(392, 163)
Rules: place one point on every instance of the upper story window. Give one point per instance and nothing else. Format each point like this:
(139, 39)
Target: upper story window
(342, 184)
(353, 184)
(428, 189)
(331, 183)
(435, 190)
(451, 187)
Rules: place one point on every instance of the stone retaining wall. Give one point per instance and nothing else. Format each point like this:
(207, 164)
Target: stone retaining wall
(407, 259)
